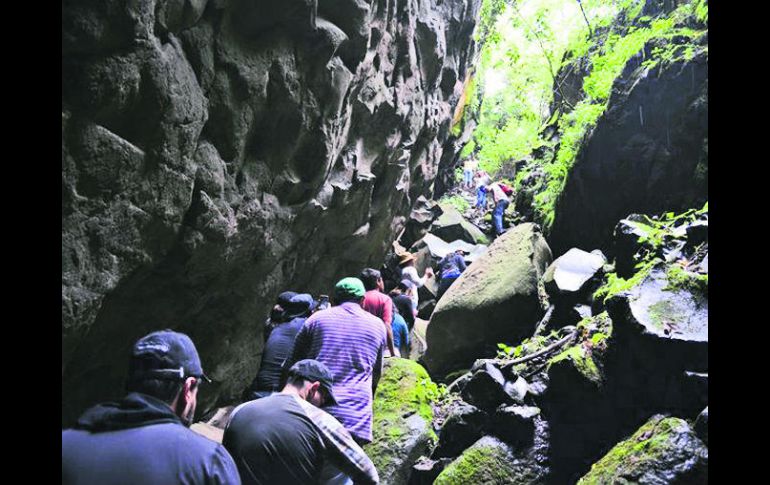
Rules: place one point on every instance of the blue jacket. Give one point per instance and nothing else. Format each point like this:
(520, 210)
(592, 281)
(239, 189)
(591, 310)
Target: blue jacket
(140, 440)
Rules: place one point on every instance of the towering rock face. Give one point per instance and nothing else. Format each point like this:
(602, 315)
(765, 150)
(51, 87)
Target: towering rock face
(217, 152)
(648, 153)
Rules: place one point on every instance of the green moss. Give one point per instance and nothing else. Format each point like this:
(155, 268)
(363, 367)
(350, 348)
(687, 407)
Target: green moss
(616, 284)
(404, 389)
(681, 279)
(456, 201)
(478, 464)
(583, 362)
(650, 443)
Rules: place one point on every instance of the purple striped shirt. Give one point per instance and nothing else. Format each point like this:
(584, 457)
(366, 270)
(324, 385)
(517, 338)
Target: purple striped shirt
(350, 341)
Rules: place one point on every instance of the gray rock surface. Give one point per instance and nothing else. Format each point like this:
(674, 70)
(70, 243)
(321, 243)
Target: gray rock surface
(216, 153)
(494, 300)
(451, 226)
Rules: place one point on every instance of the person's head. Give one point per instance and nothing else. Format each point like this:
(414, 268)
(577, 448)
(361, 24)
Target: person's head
(278, 313)
(165, 365)
(372, 279)
(313, 382)
(301, 305)
(349, 289)
(406, 287)
(406, 259)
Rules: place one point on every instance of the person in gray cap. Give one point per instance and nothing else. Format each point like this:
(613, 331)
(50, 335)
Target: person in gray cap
(286, 438)
(144, 438)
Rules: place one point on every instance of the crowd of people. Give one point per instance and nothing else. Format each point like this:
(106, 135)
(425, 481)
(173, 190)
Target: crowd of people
(308, 411)
(306, 415)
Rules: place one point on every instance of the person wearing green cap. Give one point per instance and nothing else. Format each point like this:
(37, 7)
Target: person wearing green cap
(351, 342)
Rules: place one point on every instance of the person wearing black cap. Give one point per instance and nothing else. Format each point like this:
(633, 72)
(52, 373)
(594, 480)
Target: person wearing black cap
(278, 313)
(286, 438)
(144, 438)
(279, 346)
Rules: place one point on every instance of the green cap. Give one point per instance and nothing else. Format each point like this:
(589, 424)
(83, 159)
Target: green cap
(349, 289)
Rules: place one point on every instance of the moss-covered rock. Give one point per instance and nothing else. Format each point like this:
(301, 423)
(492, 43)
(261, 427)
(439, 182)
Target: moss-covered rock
(664, 450)
(403, 417)
(585, 357)
(494, 300)
(489, 461)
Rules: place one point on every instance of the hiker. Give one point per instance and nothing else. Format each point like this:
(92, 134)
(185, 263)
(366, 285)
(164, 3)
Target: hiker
(277, 315)
(500, 194)
(279, 347)
(409, 272)
(144, 438)
(450, 268)
(482, 180)
(469, 167)
(351, 342)
(401, 333)
(286, 438)
(402, 299)
(378, 303)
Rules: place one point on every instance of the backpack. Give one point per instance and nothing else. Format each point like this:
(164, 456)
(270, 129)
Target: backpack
(505, 188)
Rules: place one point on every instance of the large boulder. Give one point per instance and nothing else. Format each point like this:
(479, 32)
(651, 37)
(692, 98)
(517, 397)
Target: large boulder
(217, 153)
(666, 321)
(664, 450)
(403, 418)
(494, 300)
(490, 461)
(451, 225)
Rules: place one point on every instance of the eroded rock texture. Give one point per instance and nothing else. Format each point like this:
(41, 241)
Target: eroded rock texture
(217, 152)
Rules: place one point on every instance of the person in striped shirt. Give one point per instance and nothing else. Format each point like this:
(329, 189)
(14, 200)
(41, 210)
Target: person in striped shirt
(351, 342)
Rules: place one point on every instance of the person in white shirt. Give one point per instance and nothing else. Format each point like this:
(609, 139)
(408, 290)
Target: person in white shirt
(409, 272)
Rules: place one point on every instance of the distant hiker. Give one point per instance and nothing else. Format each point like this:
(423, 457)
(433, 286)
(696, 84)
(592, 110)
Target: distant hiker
(378, 303)
(482, 180)
(451, 267)
(401, 334)
(144, 438)
(500, 194)
(404, 304)
(285, 438)
(279, 347)
(409, 272)
(351, 342)
(277, 315)
(470, 166)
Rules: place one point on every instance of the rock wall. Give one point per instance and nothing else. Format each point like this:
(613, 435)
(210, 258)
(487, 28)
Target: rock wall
(215, 153)
(648, 153)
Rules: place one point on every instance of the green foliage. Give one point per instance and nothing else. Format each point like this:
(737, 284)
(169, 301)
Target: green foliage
(607, 63)
(456, 201)
(680, 278)
(616, 284)
(702, 11)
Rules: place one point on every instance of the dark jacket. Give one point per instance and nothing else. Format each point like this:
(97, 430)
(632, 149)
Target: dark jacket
(140, 440)
(278, 348)
(451, 266)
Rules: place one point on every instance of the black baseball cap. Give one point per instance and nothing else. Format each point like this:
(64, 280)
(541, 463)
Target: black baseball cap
(315, 371)
(165, 355)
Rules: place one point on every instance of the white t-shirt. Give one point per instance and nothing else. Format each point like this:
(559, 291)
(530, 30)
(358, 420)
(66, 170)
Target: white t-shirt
(410, 273)
(498, 192)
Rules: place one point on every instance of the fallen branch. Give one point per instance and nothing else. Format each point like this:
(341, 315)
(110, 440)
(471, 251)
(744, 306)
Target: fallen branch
(540, 352)
(544, 321)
